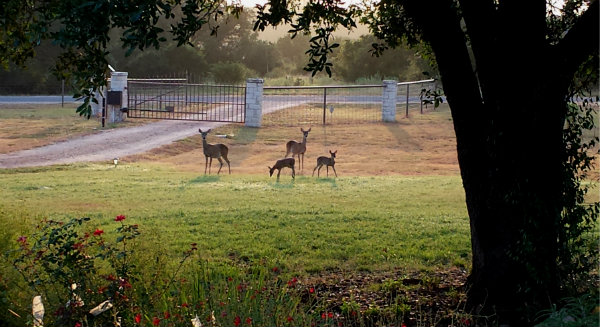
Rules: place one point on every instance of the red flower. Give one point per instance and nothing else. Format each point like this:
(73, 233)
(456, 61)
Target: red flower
(22, 239)
(138, 318)
(124, 283)
(237, 321)
(330, 315)
(249, 321)
(78, 246)
(311, 290)
(292, 282)
(78, 324)
(185, 305)
(290, 319)
(167, 315)
(274, 269)
(323, 316)
(98, 232)
(120, 218)
(156, 321)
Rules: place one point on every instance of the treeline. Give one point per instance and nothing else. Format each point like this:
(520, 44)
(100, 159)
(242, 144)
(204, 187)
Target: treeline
(235, 53)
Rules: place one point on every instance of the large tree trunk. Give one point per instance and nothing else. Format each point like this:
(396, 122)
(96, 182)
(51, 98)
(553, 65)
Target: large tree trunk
(508, 105)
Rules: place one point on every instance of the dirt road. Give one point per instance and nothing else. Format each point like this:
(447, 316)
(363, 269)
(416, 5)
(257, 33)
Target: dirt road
(106, 145)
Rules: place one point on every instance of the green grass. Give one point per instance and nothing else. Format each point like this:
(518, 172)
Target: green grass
(309, 225)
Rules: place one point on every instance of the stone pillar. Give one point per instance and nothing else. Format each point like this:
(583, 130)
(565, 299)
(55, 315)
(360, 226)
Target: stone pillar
(97, 107)
(118, 82)
(254, 94)
(388, 105)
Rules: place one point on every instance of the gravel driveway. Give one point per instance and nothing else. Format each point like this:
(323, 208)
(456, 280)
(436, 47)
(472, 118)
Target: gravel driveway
(106, 145)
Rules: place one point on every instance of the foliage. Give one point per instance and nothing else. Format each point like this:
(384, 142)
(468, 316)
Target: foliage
(82, 30)
(87, 280)
(580, 311)
(230, 73)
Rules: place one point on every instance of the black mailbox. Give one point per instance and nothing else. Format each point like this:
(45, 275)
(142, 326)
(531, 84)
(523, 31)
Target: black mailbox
(114, 98)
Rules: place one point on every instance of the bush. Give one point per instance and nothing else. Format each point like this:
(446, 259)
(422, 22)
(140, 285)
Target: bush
(231, 73)
(86, 278)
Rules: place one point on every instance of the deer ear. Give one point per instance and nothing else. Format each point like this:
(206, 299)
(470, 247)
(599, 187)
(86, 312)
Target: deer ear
(200, 130)
(309, 129)
(209, 130)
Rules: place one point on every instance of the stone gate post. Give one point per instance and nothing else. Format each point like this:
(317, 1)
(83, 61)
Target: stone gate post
(388, 106)
(254, 95)
(118, 82)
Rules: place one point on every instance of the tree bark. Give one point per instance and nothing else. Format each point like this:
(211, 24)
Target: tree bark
(508, 106)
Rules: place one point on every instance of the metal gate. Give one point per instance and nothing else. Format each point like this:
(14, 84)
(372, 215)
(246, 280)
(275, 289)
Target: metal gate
(178, 100)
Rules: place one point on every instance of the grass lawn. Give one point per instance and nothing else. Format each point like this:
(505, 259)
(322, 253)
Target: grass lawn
(309, 225)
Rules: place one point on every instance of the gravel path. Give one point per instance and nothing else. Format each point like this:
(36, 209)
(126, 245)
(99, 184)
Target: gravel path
(106, 145)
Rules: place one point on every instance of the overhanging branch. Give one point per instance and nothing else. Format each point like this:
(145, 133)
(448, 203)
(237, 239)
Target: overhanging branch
(580, 42)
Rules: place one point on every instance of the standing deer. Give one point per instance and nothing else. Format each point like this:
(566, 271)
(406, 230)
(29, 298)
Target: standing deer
(297, 148)
(214, 151)
(327, 162)
(281, 163)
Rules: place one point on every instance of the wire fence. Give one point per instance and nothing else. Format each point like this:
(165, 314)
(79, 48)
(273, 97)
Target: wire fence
(310, 105)
(411, 96)
(339, 104)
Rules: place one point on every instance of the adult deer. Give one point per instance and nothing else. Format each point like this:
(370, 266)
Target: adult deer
(211, 151)
(282, 163)
(298, 148)
(327, 162)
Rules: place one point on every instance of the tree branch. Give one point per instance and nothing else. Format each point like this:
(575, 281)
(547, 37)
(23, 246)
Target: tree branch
(580, 42)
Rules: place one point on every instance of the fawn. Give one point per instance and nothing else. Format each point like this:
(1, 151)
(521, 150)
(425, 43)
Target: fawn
(298, 148)
(214, 151)
(281, 163)
(327, 162)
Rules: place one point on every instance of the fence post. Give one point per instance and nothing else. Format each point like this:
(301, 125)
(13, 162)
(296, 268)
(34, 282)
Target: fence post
(388, 107)
(118, 82)
(254, 95)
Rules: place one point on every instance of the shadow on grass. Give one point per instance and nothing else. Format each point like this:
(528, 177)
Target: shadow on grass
(283, 184)
(200, 180)
(329, 180)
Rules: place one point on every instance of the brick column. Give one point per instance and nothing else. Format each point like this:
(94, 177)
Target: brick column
(118, 82)
(254, 94)
(388, 106)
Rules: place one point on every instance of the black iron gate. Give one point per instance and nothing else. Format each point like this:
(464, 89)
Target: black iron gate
(178, 100)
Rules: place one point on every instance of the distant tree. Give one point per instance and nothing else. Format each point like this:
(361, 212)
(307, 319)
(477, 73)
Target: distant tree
(355, 60)
(292, 52)
(166, 61)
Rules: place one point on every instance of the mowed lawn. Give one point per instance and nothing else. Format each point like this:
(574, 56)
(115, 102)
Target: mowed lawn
(309, 225)
(398, 201)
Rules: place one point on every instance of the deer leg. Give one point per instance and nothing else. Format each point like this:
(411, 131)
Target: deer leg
(278, 173)
(293, 173)
(221, 166)
(205, 164)
(209, 165)
(317, 166)
(327, 170)
(333, 167)
(228, 165)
